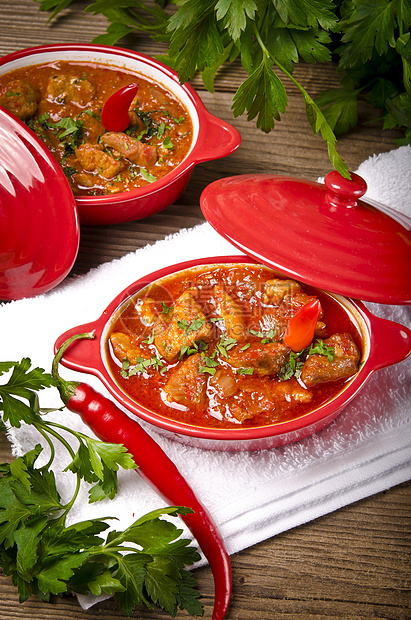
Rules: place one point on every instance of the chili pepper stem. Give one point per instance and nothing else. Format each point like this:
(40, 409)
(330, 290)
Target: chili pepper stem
(67, 389)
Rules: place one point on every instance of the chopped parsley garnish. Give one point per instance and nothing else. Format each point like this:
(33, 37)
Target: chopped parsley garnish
(92, 114)
(208, 365)
(294, 365)
(165, 309)
(176, 120)
(133, 172)
(296, 361)
(245, 371)
(69, 170)
(167, 143)
(150, 129)
(195, 347)
(142, 364)
(147, 176)
(188, 327)
(150, 339)
(245, 347)
(320, 348)
(161, 129)
(69, 131)
(68, 126)
(267, 336)
(224, 345)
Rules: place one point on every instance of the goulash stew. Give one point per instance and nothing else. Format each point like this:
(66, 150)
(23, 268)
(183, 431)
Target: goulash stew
(205, 347)
(62, 102)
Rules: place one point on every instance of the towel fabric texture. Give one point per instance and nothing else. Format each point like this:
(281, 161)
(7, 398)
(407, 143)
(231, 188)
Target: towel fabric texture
(252, 495)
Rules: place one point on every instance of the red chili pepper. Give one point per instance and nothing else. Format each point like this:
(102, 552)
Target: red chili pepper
(300, 331)
(111, 424)
(114, 114)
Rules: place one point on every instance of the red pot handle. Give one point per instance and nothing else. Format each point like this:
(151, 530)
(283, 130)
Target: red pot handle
(390, 342)
(85, 356)
(216, 138)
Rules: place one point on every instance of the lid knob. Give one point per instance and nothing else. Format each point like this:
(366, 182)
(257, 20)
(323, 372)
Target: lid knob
(344, 192)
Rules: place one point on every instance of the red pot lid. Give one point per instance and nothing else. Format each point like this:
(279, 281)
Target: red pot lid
(39, 227)
(323, 235)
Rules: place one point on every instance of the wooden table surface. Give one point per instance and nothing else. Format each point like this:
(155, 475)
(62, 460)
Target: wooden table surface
(353, 563)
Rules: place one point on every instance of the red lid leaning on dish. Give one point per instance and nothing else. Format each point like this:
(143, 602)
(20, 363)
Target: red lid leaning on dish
(39, 226)
(323, 235)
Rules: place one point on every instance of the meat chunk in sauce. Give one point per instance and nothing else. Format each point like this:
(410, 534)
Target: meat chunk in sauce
(282, 299)
(264, 359)
(187, 385)
(137, 152)
(231, 312)
(94, 159)
(253, 398)
(70, 89)
(85, 179)
(317, 369)
(20, 98)
(275, 290)
(125, 346)
(186, 325)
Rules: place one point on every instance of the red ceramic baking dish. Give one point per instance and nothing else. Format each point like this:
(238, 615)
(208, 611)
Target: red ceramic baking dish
(92, 356)
(322, 235)
(212, 137)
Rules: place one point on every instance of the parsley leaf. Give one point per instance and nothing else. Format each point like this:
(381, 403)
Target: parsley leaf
(234, 15)
(370, 27)
(307, 13)
(165, 309)
(339, 107)
(293, 367)
(158, 567)
(190, 326)
(21, 386)
(262, 95)
(193, 348)
(141, 365)
(6, 366)
(195, 40)
(96, 461)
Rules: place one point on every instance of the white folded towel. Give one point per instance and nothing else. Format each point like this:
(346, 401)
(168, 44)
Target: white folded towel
(252, 496)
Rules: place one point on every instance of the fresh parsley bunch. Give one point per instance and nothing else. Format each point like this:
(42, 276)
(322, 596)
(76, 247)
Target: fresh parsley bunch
(142, 565)
(369, 39)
